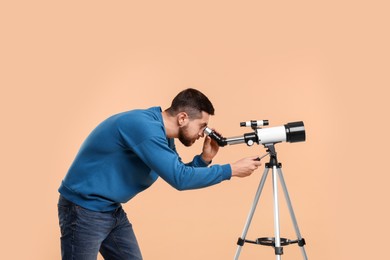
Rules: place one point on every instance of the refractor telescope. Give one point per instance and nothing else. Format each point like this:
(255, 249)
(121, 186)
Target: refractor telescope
(291, 132)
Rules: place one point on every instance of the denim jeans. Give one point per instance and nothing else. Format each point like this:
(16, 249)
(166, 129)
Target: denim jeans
(84, 233)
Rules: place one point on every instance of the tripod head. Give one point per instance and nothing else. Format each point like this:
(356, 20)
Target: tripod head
(291, 132)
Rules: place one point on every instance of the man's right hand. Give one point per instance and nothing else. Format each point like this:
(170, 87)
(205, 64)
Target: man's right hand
(245, 166)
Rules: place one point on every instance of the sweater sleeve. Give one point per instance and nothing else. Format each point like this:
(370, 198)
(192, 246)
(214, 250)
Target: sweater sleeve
(156, 153)
(197, 161)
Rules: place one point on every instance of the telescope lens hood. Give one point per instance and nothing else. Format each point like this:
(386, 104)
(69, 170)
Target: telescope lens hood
(295, 132)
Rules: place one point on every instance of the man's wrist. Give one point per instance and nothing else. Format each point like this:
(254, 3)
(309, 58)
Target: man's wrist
(206, 159)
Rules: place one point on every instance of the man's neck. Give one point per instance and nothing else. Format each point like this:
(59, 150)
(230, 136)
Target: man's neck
(170, 125)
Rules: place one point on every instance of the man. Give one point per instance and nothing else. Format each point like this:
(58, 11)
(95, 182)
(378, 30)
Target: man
(123, 156)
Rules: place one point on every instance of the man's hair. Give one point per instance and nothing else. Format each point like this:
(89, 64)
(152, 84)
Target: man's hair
(191, 101)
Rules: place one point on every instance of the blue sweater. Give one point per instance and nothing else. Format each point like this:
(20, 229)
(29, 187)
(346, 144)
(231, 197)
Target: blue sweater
(124, 155)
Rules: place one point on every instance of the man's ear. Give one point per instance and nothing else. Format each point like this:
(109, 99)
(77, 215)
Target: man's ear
(182, 119)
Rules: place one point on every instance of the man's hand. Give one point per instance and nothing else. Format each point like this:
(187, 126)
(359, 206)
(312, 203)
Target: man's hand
(210, 149)
(245, 166)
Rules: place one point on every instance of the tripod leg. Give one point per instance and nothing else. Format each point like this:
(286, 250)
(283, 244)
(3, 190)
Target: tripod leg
(293, 218)
(278, 248)
(252, 211)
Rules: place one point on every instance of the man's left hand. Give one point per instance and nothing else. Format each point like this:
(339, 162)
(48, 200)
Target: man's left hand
(210, 149)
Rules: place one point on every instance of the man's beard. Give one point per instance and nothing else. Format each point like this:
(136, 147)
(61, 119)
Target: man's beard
(184, 139)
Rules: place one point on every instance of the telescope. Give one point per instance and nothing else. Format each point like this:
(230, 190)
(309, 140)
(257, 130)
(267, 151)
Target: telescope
(291, 132)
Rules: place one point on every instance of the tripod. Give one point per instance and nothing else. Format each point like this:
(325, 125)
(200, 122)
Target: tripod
(277, 242)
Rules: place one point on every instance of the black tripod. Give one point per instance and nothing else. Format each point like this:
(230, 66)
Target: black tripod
(277, 242)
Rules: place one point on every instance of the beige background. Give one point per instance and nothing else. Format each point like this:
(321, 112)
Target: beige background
(67, 65)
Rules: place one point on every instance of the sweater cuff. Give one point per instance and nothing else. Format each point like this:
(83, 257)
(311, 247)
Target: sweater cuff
(199, 162)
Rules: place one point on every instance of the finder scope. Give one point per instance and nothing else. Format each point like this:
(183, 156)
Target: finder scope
(291, 132)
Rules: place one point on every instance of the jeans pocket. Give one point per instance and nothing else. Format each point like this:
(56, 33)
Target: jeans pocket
(89, 217)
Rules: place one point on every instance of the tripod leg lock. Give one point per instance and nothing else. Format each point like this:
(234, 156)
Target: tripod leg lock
(240, 241)
(301, 242)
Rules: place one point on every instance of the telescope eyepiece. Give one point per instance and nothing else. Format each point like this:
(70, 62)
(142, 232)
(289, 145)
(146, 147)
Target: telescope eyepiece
(215, 136)
(208, 131)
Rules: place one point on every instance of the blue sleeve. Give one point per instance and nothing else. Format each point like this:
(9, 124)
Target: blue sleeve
(197, 161)
(159, 157)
